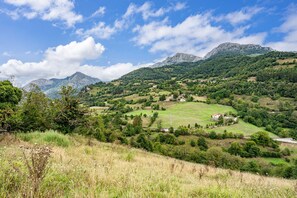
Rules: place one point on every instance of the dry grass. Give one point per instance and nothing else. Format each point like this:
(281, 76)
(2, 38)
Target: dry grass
(108, 170)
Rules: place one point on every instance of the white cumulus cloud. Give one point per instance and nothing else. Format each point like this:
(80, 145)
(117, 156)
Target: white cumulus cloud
(240, 16)
(196, 35)
(104, 31)
(48, 10)
(64, 60)
(289, 29)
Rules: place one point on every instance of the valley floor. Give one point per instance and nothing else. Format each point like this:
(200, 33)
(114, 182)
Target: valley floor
(80, 167)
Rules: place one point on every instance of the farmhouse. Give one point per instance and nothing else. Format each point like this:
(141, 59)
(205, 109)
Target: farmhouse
(224, 118)
(216, 117)
(165, 130)
(181, 98)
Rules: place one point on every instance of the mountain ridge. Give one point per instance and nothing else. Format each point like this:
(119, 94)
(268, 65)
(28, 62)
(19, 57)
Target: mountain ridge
(226, 48)
(177, 58)
(229, 48)
(51, 86)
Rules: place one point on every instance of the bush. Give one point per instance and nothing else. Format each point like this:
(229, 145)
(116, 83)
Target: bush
(250, 149)
(167, 139)
(193, 143)
(235, 149)
(123, 140)
(201, 142)
(286, 152)
(262, 138)
(181, 130)
(255, 99)
(144, 142)
(213, 135)
(251, 166)
(181, 142)
(271, 154)
(218, 158)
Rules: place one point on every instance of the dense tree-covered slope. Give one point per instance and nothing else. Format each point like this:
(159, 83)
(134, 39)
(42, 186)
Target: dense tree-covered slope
(219, 66)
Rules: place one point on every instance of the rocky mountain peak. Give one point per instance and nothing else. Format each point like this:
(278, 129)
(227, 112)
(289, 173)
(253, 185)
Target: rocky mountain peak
(52, 86)
(177, 58)
(237, 49)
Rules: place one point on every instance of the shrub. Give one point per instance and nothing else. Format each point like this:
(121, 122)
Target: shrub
(193, 143)
(251, 166)
(144, 143)
(250, 149)
(201, 142)
(181, 142)
(286, 152)
(181, 130)
(262, 138)
(216, 157)
(235, 149)
(255, 99)
(212, 135)
(167, 139)
(123, 140)
(271, 154)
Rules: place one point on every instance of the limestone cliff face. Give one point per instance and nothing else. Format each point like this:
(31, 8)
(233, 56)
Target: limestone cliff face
(177, 58)
(237, 49)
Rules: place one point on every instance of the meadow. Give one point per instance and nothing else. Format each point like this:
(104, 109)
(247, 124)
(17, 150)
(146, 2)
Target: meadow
(186, 113)
(88, 168)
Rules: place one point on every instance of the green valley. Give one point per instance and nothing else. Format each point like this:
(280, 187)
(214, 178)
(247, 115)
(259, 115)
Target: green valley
(226, 112)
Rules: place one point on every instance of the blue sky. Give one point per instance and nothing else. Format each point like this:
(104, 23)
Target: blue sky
(109, 38)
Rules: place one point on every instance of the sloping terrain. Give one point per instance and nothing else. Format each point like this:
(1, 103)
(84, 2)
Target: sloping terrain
(182, 114)
(87, 168)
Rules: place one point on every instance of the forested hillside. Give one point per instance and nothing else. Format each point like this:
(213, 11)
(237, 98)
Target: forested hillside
(238, 81)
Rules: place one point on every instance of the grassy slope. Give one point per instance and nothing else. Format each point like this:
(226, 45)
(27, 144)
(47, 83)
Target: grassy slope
(193, 112)
(108, 170)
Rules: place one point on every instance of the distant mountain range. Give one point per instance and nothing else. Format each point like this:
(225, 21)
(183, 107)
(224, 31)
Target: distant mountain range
(177, 58)
(221, 50)
(52, 86)
(79, 80)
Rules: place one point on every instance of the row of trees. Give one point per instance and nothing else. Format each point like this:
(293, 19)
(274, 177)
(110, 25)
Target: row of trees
(35, 111)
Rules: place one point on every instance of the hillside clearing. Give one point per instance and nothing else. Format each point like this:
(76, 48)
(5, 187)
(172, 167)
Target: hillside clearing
(200, 113)
(109, 170)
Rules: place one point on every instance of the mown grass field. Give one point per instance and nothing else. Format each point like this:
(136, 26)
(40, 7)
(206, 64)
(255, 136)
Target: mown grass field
(200, 113)
(87, 168)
